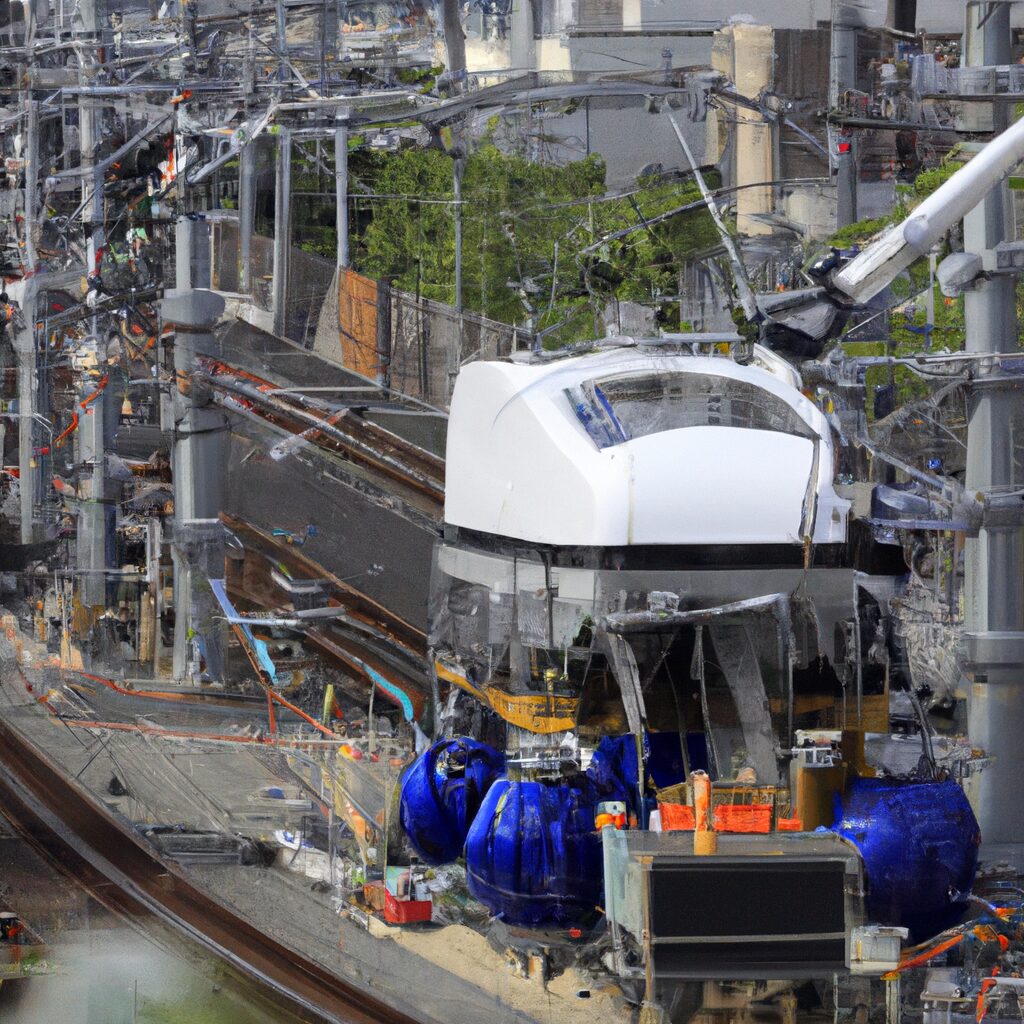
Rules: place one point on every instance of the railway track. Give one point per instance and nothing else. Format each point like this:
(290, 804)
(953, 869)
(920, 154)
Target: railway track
(369, 640)
(115, 864)
(343, 432)
(129, 877)
(373, 615)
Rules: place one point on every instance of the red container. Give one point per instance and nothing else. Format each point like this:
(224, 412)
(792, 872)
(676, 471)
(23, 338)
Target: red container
(743, 818)
(406, 911)
(676, 817)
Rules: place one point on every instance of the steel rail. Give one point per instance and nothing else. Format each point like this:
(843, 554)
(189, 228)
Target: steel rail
(125, 872)
(357, 604)
(344, 433)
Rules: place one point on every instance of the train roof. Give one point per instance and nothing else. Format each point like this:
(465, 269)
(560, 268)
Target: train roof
(640, 443)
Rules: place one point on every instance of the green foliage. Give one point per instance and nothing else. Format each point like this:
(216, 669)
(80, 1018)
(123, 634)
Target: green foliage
(514, 212)
(424, 78)
(908, 196)
(861, 231)
(948, 334)
(928, 181)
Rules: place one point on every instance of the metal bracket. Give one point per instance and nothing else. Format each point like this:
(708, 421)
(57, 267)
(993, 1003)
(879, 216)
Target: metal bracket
(993, 650)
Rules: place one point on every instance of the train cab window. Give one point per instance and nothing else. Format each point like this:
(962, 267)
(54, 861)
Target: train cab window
(624, 407)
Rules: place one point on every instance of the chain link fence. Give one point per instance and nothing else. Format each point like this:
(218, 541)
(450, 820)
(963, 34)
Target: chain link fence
(415, 345)
(310, 279)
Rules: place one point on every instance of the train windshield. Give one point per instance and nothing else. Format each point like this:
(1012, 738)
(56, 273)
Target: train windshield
(621, 408)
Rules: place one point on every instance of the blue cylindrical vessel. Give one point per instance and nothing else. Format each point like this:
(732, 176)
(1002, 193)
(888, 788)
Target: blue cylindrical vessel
(533, 857)
(441, 793)
(918, 840)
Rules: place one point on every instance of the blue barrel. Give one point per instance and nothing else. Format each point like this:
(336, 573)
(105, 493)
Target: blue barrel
(918, 840)
(441, 793)
(533, 857)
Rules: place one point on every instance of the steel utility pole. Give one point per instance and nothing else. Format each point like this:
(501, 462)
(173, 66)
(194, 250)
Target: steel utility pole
(198, 467)
(457, 164)
(95, 520)
(247, 179)
(341, 191)
(282, 38)
(282, 228)
(246, 213)
(25, 343)
(994, 561)
(842, 76)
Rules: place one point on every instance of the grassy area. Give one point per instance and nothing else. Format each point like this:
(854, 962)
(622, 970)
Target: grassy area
(203, 1003)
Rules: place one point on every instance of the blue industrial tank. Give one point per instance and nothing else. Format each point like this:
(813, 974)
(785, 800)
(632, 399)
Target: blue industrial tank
(918, 840)
(441, 793)
(532, 855)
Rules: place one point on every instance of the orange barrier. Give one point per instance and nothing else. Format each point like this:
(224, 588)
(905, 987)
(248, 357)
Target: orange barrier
(743, 818)
(677, 817)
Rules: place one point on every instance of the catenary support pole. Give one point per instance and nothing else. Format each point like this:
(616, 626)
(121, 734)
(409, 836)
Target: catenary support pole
(994, 561)
(94, 542)
(198, 467)
(246, 214)
(27, 374)
(282, 228)
(341, 191)
(843, 76)
(457, 165)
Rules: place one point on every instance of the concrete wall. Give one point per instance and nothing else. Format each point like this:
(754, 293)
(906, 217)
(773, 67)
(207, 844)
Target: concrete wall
(620, 35)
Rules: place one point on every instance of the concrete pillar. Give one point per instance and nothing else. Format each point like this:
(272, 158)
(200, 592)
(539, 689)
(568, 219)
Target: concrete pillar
(995, 559)
(524, 46)
(246, 214)
(750, 50)
(94, 541)
(183, 253)
(842, 76)
(454, 42)
(198, 466)
(31, 181)
(25, 342)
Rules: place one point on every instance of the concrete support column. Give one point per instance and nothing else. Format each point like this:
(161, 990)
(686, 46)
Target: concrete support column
(26, 350)
(198, 467)
(524, 46)
(843, 146)
(455, 41)
(96, 517)
(183, 254)
(282, 228)
(246, 214)
(994, 560)
(755, 147)
(31, 181)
